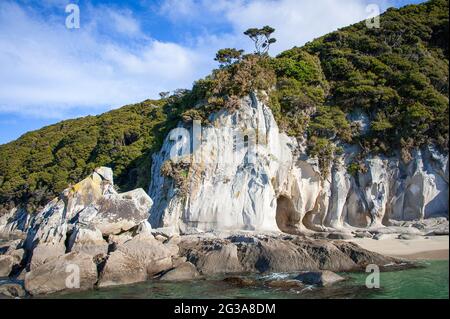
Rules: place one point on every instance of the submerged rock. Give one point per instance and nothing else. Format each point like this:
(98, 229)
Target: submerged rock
(285, 284)
(73, 271)
(240, 281)
(319, 278)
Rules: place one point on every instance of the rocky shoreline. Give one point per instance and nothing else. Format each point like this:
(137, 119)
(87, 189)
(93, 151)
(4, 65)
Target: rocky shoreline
(147, 255)
(92, 237)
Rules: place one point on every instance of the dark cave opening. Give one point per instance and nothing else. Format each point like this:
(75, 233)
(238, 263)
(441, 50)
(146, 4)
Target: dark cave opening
(286, 215)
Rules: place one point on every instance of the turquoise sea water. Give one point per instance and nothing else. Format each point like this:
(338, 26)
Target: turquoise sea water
(431, 281)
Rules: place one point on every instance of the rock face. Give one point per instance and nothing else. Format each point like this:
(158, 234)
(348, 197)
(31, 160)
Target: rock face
(69, 271)
(14, 223)
(227, 181)
(75, 225)
(185, 271)
(137, 259)
(6, 265)
(276, 253)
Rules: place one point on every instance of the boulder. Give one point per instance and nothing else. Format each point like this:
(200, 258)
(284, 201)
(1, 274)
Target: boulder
(12, 290)
(221, 259)
(116, 213)
(285, 284)
(185, 271)
(135, 260)
(275, 255)
(88, 240)
(6, 265)
(46, 252)
(62, 273)
(319, 278)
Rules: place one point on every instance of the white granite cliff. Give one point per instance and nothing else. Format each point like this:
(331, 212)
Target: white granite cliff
(232, 182)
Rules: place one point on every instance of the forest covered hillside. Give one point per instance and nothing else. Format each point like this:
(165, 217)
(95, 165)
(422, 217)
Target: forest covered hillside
(395, 77)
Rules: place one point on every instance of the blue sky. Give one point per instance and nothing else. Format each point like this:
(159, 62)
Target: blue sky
(127, 51)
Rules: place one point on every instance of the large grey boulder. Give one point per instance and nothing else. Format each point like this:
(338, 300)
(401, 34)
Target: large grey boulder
(62, 273)
(212, 257)
(185, 271)
(116, 213)
(88, 240)
(135, 260)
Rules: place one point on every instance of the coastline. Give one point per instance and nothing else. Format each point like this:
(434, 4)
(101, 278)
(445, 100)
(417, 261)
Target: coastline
(421, 248)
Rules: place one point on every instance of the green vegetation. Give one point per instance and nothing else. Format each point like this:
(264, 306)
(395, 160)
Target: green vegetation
(228, 56)
(261, 38)
(397, 75)
(178, 171)
(40, 164)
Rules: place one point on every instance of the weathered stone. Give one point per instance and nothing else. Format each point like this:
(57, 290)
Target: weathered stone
(61, 273)
(10, 245)
(116, 213)
(275, 256)
(319, 278)
(6, 265)
(12, 290)
(89, 241)
(185, 271)
(14, 223)
(46, 252)
(135, 260)
(282, 188)
(221, 259)
(285, 284)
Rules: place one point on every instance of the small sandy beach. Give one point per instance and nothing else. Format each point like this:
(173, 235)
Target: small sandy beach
(433, 247)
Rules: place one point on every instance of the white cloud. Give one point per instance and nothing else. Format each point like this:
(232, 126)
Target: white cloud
(296, 21)
(47, 70)
(125, 22)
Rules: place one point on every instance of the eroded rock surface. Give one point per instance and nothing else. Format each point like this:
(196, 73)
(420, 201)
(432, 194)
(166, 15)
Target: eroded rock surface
(74, 270)
(230, 182)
